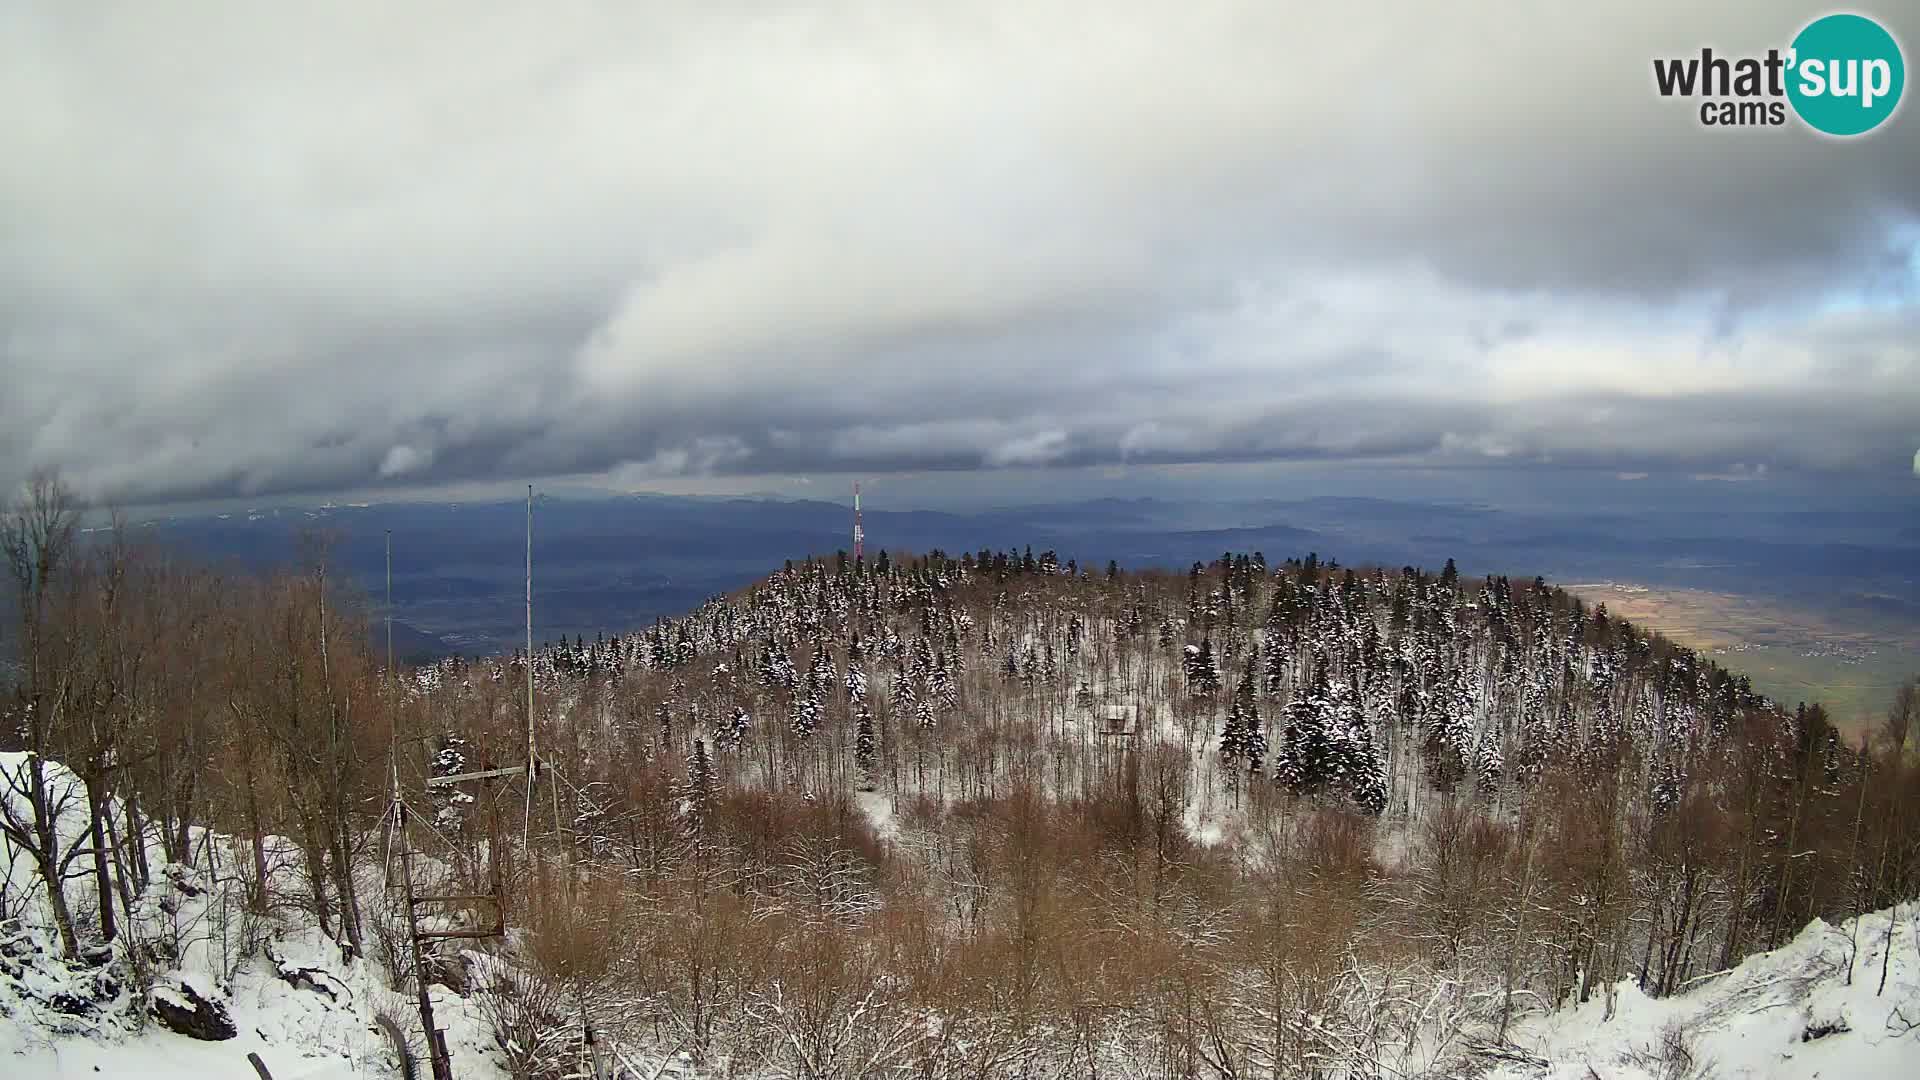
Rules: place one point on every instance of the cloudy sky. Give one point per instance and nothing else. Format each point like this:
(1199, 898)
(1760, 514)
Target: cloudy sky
(257, 249)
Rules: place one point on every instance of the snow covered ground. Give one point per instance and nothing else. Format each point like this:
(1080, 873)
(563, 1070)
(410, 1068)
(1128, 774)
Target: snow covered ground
(293, 1000)
(1791, 1014)
(1812, 1009)
(301, 1033)
(1786, 1014)
(298, 1036)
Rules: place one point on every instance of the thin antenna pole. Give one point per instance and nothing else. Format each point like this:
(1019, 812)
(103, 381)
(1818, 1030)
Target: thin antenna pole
(859, 534)
(526, 825)
(529, 630)
(392, 744)
(393, 739)
(389, 608)
(396, 816)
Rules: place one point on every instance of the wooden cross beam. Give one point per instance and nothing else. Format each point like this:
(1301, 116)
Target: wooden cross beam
(484, 774)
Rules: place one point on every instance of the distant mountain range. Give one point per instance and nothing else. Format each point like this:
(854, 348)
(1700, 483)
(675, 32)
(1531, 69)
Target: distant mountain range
(609, 564)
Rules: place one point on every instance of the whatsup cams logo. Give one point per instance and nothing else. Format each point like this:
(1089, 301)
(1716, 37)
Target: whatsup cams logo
(1842, 75)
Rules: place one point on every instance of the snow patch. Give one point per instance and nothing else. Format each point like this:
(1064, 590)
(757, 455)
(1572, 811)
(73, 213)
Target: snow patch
(1789, 1014)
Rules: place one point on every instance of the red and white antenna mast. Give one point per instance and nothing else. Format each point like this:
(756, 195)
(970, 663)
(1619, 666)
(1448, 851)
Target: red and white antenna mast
(859, 534)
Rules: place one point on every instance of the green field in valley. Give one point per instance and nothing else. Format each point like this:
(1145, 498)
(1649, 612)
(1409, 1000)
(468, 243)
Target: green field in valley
(1847, 662)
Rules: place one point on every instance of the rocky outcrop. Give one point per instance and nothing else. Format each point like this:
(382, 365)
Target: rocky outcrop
(184, 1010)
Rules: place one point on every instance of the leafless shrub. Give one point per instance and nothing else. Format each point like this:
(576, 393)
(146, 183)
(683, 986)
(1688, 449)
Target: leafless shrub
(1672, 1058)
(527, 1016)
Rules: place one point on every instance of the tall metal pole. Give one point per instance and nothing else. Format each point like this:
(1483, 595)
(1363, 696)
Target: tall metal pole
(442, 1068)
(389, 607)
(531, 766)
(393, 738)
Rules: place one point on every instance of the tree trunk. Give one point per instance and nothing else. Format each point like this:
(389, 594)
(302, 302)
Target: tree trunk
(343, 884)
(102, 872)
(316, 856)
(46, 853)
(183, 820)
(1519, 930)
(137, 847)
(169, 846)
(62, 916)
(1853, 865)
(257, 894)
(121, 877)
(1787, 858)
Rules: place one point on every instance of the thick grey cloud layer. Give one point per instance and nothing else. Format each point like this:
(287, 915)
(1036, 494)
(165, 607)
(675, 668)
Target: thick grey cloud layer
(250, 249)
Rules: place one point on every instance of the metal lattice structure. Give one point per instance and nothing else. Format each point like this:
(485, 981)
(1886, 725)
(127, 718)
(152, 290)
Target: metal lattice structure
(401, 850)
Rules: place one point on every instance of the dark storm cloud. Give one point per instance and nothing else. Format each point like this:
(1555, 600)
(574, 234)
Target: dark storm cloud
(245, 251)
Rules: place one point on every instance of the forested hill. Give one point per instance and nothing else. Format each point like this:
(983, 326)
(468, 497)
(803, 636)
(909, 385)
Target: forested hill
(1693, 820)
(1326, 681)
(986, 816)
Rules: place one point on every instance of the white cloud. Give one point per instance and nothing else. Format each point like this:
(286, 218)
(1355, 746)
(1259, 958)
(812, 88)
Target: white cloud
(698, 457)
(404, 459)
(252, 250)
(1039, 448)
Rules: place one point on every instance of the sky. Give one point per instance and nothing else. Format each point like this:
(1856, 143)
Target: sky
(251, 251)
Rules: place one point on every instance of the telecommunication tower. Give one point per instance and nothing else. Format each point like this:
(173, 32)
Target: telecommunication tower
(859, 534)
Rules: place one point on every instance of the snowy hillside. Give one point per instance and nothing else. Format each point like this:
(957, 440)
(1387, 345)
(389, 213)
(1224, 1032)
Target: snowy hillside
(1832, 1003)
(317, 1025)
(1814, 1008)
(1791, 1014)
(267, 984)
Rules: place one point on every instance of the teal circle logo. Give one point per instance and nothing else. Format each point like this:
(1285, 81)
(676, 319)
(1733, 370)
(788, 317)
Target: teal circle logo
(1846, 74)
